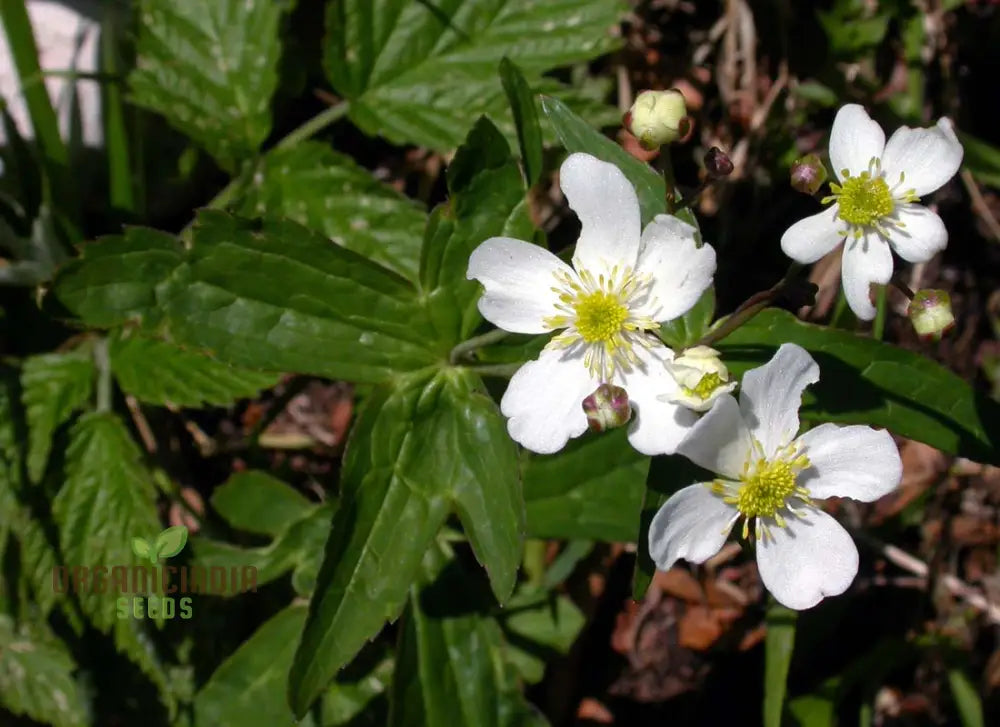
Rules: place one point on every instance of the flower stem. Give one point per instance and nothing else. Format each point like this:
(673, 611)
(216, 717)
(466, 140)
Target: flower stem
(665, 164)
(750, 307)
(902, 287)
(881, 305)
(102, 363)
(476, 342)
(498, 371)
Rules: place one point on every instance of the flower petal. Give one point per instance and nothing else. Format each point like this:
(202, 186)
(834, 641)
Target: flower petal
(693, 524)
(679, 268)
(923, 234)
(658, 426)
(856, 461)
(927, 157)
(811, 238)
(771, 395)
(854, 139)
(719, 442)
(807, 561)
(544, 401)
(518, 278)
(866, 260)
(608, 208)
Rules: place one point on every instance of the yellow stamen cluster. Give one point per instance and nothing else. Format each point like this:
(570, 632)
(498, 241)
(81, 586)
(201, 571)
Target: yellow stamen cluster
(766, 488)
(705, 386)
(866, 201)
(598, 313)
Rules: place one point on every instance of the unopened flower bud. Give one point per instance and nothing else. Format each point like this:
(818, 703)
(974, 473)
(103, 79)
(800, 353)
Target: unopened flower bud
(657, 118)
(607, 408)
(701, 378)
(930, 313)
(717, 163)
(808, 174)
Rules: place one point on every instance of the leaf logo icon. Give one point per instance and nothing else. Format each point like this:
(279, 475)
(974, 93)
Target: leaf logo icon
(166, 545)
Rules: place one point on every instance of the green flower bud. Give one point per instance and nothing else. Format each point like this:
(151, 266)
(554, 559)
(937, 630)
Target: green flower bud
(808, 174)
(930, 313)
(607, 408)
(657, 118)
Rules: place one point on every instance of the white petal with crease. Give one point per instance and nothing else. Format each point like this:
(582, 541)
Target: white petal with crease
(680, 270)
(811, 238)
(927, 157)
(771, 395)
(809, 560)
(544, 401)
(693, 524)
(866, 261)
(854, 139)
(657, 426)
(719, 442)
(608, 208)
(854, 461)
(518, 278)
(923, 236)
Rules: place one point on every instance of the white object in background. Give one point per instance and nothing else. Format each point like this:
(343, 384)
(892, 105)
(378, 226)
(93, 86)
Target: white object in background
(68, 38)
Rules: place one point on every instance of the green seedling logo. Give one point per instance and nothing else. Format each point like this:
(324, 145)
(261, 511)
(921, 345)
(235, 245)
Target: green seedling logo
(166, 545)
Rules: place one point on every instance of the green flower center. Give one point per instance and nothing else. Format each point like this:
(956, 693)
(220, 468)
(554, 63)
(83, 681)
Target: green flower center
(600, 316)
(863, 200)
(705, 386)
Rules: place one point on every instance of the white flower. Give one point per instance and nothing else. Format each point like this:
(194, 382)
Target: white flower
(770, 476)
(875, 204)
(621, 285)
(701, 377)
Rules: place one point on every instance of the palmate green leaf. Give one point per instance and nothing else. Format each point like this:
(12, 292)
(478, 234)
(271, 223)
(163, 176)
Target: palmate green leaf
(38, 554)
(328, 192)
(486, 200)
(420, 449)
(864, 381)
(53, 387)
(419, 72)
(36, 678)
(298, 549)
(778, 647)
(450, 662)
(269, 295)
(117, 278)
(577, 135)
(161, 373)
(248, 687)
(538, 625)
(107, 497)
(276, 296)
(259, 503)
(210, 68)
(593, 489)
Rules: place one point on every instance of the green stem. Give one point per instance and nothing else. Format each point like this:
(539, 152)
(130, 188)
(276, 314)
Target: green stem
(749, 308)
(534, 561)
(881, 305)
(665, 164)
(311, 127)
(102, 363)
(499, 371)
(314, 125)
(476, 342)
(115, 131)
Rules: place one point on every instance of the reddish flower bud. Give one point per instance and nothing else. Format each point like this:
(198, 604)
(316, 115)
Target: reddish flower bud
(607, 408)
(808, 174)
(717, 163)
